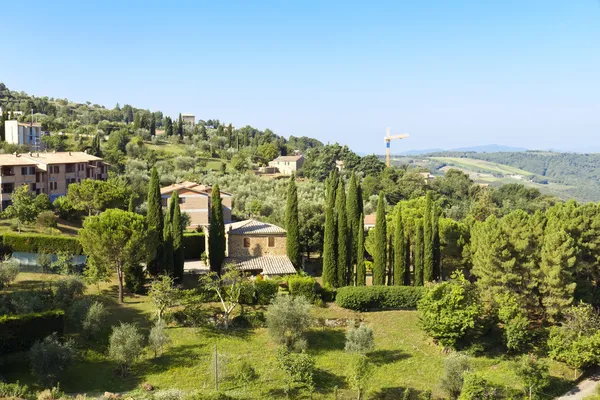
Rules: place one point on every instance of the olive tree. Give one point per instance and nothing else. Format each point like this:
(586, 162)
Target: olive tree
(228, 287)
(125, 345)
(288, 317)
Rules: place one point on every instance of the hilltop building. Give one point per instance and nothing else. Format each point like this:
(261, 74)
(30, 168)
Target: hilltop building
(49, 173)
(194, 200)
(287, 165)
(189, 119)
(24, 133)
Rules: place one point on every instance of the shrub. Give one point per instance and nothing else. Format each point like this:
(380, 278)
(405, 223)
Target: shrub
(327, 294)
(265, 290)
(245, 374)
(288, 318)
(14, 390)
(44, 261)
(51, 394)
(49, 358)
(64, 207)
(9, 269)
(455, 366)
(46, 219)
(29, 301)
(63, 264)
(364, 298)
(19, 332)
(37, 243)
(359, 339)
(67, 290)
(193, 245)
(359, 375)
(299, 368)
(135, 279)
(125, 345)
(95, 319)
(476, 387)
(302, 286)
(534, 374)
(169, 394)
(158, 338)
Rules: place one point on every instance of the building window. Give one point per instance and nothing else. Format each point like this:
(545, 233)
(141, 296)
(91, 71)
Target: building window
(246, 242)
(7, 171)
(70, 168)
(8, 187)
(53, 185)
(182, 200)
(271, 241)
(55, 169)
(27, 170)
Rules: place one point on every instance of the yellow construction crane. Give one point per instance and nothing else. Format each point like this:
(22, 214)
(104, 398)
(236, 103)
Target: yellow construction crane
(388, 138)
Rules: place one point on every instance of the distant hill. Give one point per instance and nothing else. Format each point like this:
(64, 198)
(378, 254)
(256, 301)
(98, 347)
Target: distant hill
(489, 148)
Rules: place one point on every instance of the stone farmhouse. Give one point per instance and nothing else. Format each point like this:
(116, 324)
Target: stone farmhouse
(287, 165)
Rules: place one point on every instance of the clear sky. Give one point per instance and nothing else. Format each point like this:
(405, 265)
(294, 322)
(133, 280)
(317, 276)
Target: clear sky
(450, 73)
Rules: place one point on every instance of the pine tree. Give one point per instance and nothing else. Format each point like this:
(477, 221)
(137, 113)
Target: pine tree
(291, 223)
(343, 251)
(168, 254)
(216, 232)
(361, 270)
(399, 250)
(428, 240)
(154, 216)
(438, 273)
(353, 215)
(152, 125)
(330, 235)
(557, 272)
(177, 233)
(418, 254)
(379, 258)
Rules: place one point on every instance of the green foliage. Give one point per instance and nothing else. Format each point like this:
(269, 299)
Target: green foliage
(229, 288)
(125, 345)
(344, 266)
(67, 291)
(155, 220)
(50, 357)
(135, 278)
(330, 274)
(46, 219)
(93, 196)
(37, 243)
(399, 244)
(475, 387)
(19, 332)
(304, 286)
(14, 390)
(291, 223)
(163, 295)
(64, 208)
(245, 374)
(418, 254)
(265, 290)
(9, 269)
(428, 240)
(353, 212)
(516, 332)
(534, 374)
(299, 368)
(359, 339)
(449, 311)
(216, 232)
(452, 380)
(63, 264)
(193, 245)
(178, 245)
(380, 253)
(113, 240)
(361, 270)
(364, 298)
(23, 207)
(158, 338)
(359, 375)
(95, 320)
(288, 318)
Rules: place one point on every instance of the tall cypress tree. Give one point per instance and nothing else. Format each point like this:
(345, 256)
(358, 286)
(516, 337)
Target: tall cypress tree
(154, 217)
(418, 254)
(291, 223)
(177, 232)
(180, 127)
(407, 261)
(330, 235)
(379, 258)
(152, 125)
(437, 251)
(353, 214)
(168, 255)
(361, 270)
(95, 149)
(390, 259)
(428, 240)
(343, 251)
(399, 249)
(216, 232)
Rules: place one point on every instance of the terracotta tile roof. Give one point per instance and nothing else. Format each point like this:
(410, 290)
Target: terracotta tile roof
(252, 227)
(195, 187)
(44, 158)
(269, 265)
(370, 219)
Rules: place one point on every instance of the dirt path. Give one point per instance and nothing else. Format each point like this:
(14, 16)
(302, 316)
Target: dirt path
(585, 388)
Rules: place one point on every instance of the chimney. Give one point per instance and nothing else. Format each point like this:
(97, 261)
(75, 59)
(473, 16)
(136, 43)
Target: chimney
(69, 153)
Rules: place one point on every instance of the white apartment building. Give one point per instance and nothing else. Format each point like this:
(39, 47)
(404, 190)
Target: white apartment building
(24, 133)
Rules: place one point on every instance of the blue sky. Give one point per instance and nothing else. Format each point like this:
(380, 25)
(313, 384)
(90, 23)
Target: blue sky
(449, 73)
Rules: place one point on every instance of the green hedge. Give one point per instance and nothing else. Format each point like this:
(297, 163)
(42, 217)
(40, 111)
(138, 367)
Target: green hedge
(193, 245)
(20, 332)
(37, 243)
(303, 286)
(363, 298)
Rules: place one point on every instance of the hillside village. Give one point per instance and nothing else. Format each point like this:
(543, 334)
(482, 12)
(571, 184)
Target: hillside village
(224, 262)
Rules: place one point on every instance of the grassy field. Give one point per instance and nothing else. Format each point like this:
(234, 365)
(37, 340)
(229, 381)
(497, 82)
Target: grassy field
(404, 356)
(482, 166)
(68, 228)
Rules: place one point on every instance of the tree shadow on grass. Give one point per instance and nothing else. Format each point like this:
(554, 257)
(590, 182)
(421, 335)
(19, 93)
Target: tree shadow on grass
(395, 393)
(173, 357)
(558, 386)
(320, 341)
(232, 332)
(382, 357)
(326, 382)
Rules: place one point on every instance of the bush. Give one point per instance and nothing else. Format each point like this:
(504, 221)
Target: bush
(245, 374)
(29, 301)
(66, 291)
(169, 394)
(125, 345)
(19, 332)
(9, 269)
(254, 319)
(476, 387)
(193, 245)
(14, 390)
(327, 294)
(265, 290)
(158, 338)
(364, 298)
(359, 339)
(302, 286)
(64, 207)
(288, 318)
(95, 319)
(63, 264)
(135, 279)
(46, 219)
(37, 243)
(49, 358)
(455, 366)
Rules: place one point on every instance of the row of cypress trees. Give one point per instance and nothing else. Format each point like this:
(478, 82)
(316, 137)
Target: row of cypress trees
(166, 232)
(392, 253)
(343, 247)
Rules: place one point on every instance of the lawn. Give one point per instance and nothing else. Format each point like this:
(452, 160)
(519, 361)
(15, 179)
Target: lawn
(68, 228)
(404, 356)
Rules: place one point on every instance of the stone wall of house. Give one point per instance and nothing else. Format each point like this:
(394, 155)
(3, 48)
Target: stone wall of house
(259, 245)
